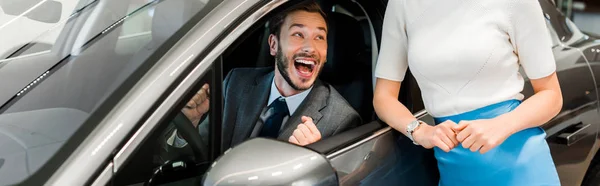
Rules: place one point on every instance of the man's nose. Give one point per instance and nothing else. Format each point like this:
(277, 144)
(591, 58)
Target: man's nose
(309, 46)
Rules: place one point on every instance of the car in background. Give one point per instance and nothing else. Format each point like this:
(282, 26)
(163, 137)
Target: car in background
(90, 109)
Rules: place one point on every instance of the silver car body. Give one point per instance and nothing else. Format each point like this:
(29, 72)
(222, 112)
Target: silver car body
(102, 154)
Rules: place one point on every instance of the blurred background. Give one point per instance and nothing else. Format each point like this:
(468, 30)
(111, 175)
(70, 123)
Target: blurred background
(585, 14)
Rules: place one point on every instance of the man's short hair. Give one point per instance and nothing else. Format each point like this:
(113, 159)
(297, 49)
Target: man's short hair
(309, 6)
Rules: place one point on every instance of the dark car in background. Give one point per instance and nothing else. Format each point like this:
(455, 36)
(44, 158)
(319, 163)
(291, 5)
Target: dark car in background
(88, 107)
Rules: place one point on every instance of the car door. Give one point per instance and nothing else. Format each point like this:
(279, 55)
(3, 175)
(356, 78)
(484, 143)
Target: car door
(382, 158)
(195, 61)
(572, 134)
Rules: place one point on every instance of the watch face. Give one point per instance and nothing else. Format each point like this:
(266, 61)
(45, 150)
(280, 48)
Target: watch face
(412, 125)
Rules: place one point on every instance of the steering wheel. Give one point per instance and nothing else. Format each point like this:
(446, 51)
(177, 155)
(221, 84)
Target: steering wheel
(186, 129)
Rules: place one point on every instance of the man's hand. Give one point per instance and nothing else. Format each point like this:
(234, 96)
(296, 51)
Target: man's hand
(198, 105)
(441, 136)
(306, 133)
(482, 135)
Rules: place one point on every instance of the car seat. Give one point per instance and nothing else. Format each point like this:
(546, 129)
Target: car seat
(348, 66)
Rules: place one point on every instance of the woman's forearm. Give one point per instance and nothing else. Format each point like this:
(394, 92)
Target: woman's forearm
(535, 111)
(391, 111)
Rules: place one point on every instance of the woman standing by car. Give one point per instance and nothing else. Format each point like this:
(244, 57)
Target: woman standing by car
(465, 56)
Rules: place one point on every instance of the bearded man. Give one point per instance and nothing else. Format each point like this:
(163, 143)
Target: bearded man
(287, 102)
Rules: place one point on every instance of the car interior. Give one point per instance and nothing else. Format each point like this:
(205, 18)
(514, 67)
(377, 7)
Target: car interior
(349, 69)
(349, 59)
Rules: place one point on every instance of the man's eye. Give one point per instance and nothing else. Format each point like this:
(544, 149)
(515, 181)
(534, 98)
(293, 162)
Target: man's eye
(320, 38)
(297, 34)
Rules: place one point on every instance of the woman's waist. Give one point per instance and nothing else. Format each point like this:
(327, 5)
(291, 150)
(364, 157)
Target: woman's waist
(483, 112)
(441, 102)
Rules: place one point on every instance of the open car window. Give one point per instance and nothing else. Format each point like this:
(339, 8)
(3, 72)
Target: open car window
(179, 150)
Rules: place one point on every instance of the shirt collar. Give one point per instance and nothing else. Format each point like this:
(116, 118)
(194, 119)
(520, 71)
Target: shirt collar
(293, 102)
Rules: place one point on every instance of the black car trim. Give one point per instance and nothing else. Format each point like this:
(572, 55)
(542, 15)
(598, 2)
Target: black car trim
(344, 139)
(217, 84)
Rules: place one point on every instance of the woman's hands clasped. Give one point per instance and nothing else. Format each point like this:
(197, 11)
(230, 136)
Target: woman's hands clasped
(441, 136)
(477, 135)
(482, 135)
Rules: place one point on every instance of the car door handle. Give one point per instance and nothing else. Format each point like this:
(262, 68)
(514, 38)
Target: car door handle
(572, 134)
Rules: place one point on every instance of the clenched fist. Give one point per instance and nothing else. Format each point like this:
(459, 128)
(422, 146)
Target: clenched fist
(306, 133)
(198, 105)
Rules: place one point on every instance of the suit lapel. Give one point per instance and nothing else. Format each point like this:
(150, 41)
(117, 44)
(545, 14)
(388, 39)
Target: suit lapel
(253, 100)
(312, 105)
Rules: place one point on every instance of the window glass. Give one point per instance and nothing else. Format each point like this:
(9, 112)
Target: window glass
(178, 150)
(137, 31)
(40, 115)
(40, 27)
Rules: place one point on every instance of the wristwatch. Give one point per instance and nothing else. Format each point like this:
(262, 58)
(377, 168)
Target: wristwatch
(412, 126)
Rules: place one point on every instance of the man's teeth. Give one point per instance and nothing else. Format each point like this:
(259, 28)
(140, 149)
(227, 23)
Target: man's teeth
(306, 62)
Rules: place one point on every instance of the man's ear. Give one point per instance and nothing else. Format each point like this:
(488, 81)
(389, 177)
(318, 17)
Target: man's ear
(273, 43)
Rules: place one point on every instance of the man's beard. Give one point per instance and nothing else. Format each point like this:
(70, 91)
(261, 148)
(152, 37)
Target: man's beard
(283, 65)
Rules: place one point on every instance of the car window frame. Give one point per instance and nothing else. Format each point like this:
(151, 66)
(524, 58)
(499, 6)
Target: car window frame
(209, 57)
(209, 75)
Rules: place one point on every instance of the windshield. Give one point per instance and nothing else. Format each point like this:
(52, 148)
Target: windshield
(25, 18)
(94, 50)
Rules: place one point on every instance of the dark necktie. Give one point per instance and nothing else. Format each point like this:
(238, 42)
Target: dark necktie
(273, 123)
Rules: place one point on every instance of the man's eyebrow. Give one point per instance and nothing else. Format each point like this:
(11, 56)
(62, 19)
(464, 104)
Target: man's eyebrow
(302, 26)
(322, 28)
(296, 24)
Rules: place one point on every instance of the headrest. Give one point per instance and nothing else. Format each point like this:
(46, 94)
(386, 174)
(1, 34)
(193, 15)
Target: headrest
(345, 44)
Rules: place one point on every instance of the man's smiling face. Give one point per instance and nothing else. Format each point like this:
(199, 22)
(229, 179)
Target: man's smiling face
(301, 49)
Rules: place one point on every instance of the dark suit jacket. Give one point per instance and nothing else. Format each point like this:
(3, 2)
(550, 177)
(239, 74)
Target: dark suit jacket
(246, 94)
(246, 91)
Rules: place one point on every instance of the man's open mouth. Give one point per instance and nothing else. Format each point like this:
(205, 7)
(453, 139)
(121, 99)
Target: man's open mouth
(305, 67)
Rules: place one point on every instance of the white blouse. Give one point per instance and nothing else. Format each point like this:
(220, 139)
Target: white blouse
(465, 54)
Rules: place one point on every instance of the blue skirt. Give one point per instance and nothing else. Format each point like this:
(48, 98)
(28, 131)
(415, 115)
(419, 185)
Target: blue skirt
(523, 159)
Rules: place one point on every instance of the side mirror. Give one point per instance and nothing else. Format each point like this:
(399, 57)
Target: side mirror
(269, 162)
(48, 11)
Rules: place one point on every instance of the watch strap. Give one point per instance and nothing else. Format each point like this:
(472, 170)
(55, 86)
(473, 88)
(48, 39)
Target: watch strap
(412, 126)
